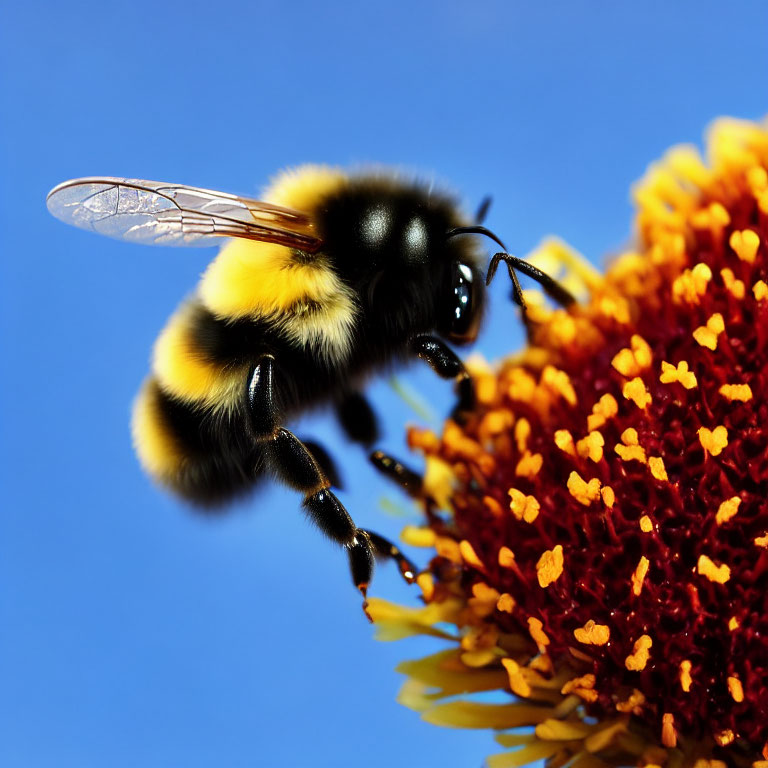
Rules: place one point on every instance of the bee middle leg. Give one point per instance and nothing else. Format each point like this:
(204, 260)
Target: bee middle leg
(447, 365)
(295, 466)
(357, 418)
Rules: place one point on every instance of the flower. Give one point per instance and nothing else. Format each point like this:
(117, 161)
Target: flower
(600, 521)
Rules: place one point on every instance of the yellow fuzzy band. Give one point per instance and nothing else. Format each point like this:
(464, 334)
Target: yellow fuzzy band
(183, 371)
(159, 453)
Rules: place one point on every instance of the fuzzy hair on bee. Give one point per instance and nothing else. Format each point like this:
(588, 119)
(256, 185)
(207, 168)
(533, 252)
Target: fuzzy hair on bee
(329, 279)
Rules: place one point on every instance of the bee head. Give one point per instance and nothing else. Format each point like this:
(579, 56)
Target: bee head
(392, 242)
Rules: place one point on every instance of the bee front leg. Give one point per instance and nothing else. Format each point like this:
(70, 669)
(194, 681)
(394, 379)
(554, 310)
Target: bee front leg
(295, 466)
(447, 365)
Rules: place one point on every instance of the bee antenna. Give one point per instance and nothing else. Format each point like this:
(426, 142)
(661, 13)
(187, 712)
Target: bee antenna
(475, 230)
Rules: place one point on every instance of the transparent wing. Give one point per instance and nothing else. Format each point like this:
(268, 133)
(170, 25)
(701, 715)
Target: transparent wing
(156, 213)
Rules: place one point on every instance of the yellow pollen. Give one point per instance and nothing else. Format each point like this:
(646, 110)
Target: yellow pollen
(585, 681)
(637, 660)
(691, 285)
(542, 663)
(517, 682)
(505, 603)
(736, 689)
(727, 510)
(449, 549)
(668, 733)
(609, 497)
(656, 465)
(469, 556)
(480, 637)
(485, 388)
(632, 705)
(605, 408)
(522, 433)
(529, 465)
(520, 385)
(671, 374)
(562, 328)
(583, 687)
(549, 568)
(629, 437)
(638, 577)
(495, 422)
(760, 290)
(745, 243)
(646, 525)
(426, 582)
(631, 449)
(714, 217)
(641, 351)
(757, 178)
(484, 592)
(685, 675)
(741, 392)
(493, 506)
(416, 536)
(564, 441)
(591, 446)
(714, 440)
(630, 452)
(636, 391)
(736, 287)
(630, 362)
(423, 439)
(762, 541)
(707, 335)
(717, 573)
(724, 738)
(593, 634)
(584, 492)
(558, 382)
(506, 557)
(733, 624)
(523, 507)
(615, 307)
(624, 363)
(536, 630)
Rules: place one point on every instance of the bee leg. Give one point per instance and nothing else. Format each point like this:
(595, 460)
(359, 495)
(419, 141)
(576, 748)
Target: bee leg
(384, 548)
(295, 466)
(411, 482)
(447, 365)
(325, 461)
(357, 418)
(517, 291)
(551, 287)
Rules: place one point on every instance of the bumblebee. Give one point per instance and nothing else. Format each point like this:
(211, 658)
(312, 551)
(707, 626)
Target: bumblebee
(329, 279)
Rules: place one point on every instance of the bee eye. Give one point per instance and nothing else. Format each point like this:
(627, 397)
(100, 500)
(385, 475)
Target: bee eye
(464, 304)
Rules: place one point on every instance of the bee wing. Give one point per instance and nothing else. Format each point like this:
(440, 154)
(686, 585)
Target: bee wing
(156, 213)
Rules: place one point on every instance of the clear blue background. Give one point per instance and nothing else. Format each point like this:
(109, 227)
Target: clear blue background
(131, 632)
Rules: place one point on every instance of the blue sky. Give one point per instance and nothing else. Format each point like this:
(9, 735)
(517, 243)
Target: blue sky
(131, 632)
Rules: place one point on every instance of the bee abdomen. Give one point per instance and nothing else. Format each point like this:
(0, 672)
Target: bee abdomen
(204, 455)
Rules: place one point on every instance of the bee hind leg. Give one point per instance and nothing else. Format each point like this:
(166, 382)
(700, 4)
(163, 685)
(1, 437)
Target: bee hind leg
(325, 461)
(295, 466)
(384, 548)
